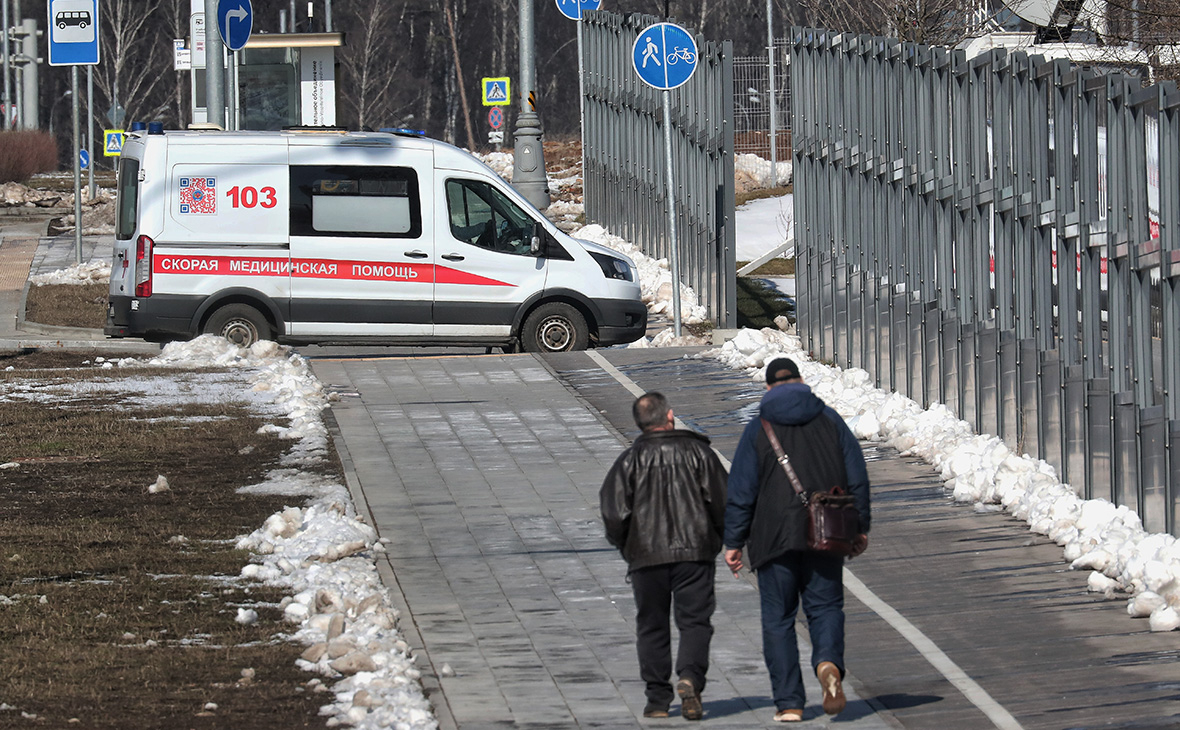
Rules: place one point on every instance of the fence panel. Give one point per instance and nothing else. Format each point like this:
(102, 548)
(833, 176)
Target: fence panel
(1012, 249)
(625, 174)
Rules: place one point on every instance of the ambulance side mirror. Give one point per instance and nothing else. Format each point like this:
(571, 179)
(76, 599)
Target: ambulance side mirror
(536, 244)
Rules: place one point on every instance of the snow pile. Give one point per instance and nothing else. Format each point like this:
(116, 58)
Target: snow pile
(756, 170)
(94, 272)
(1096, 535)
(500, 162)
(655, 280)
(323, 552)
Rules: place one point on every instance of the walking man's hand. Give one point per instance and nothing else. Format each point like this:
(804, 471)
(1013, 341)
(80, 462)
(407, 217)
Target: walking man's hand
(733, 558)
(859, 545)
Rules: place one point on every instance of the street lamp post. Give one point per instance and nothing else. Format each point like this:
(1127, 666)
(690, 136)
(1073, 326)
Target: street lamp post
(528, 166)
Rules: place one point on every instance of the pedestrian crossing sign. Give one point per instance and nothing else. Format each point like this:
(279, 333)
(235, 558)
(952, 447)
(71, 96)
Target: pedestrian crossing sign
(496, 91)
(112, 145)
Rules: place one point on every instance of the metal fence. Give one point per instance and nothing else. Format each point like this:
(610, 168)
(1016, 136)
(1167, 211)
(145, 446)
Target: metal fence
(624, 175)
(751, 103)
(1000, 234)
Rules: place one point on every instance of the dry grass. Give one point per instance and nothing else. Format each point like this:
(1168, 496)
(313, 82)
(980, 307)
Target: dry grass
(25, 152)
(68, 305)
(123, 602)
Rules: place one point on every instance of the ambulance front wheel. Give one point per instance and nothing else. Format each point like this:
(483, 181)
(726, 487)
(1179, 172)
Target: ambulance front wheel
(241, 324)
(554, 327)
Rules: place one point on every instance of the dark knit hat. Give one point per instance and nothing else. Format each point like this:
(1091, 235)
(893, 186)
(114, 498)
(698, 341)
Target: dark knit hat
(780, 369)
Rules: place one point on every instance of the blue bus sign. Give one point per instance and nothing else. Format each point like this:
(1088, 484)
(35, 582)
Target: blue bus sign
(235, 20)
(573, 9)
(664, 56)
(73, 32)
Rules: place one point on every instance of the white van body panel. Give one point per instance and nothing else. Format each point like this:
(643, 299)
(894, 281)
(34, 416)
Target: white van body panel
(335, 237)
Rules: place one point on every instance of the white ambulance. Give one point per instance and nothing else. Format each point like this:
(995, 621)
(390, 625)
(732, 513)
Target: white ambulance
(347, 237)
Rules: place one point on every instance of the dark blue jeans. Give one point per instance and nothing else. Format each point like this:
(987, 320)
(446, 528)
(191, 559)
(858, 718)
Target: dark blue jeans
(689, 588)
(818, 580)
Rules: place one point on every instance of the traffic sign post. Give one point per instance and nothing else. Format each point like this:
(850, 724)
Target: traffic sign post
(665, 57)
(497, 91)
(573, 9)
(73, 32)
(112, 142)
(235, 19)
(84, 159)
(73, 41)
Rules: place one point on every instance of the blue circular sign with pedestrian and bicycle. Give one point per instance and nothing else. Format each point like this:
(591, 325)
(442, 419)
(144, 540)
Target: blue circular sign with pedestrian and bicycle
(572, 9)
(664, 55)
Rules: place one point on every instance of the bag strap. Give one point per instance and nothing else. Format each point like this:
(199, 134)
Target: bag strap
(784, 460)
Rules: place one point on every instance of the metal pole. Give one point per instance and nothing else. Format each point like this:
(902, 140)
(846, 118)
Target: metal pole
(674, 242)
(77, 167)
(773, 100)
(7, 71)
(327, 16)
(528, 166)
(231, 91)
(214, 68)
(291, 17)
(90, 131)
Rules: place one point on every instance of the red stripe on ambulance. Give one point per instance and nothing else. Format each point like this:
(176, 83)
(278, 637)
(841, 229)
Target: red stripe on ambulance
(318, 269)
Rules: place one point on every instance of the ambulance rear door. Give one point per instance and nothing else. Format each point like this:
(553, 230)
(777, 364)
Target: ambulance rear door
(362, 251)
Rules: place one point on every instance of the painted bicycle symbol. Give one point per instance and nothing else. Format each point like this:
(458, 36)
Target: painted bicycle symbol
(681, 53)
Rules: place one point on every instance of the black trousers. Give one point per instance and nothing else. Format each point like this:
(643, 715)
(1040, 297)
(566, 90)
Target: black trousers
(688, 588)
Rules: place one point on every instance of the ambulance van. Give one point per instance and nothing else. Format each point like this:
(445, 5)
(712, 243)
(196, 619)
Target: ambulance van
(350, 237)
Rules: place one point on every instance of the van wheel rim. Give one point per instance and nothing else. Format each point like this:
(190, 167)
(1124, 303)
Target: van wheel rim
(555, 334)
(240, 332)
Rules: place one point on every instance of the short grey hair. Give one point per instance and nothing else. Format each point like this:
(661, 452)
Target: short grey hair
(650, 410)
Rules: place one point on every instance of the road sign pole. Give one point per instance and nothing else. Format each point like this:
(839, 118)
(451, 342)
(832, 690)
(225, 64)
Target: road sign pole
(674, 241)
(214, 68)
(90, 131)
(77, 167)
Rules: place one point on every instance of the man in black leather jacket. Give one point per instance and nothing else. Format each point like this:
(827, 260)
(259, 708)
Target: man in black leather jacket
(663, 504)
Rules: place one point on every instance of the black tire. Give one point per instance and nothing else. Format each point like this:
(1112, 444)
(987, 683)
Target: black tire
(554, 327)
(241, 324)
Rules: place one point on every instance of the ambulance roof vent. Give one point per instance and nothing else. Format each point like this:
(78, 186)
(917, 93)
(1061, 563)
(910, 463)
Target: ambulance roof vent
(206, 127)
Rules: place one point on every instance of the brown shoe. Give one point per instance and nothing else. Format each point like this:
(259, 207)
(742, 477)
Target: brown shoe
(690, 700)
(788, 716)
(655, 711)
(829, 680)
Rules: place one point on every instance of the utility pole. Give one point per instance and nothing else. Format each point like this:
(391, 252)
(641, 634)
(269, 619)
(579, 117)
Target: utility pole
(528, 166)
(214, 67)
(773, 104)
(7, 100)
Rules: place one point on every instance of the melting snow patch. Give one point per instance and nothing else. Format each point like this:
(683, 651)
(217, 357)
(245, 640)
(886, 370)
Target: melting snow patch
(1095, 534)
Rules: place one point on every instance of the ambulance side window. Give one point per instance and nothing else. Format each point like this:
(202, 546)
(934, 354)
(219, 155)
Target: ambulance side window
(483, 216)
(128, 198)
(353, 200)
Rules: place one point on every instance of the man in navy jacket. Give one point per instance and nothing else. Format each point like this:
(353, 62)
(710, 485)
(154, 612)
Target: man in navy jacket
(765, 517)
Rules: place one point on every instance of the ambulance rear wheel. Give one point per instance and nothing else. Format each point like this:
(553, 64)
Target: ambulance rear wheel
(241, 324)
(554, 327)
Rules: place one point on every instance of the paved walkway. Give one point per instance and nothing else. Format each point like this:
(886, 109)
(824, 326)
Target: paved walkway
(484, 474)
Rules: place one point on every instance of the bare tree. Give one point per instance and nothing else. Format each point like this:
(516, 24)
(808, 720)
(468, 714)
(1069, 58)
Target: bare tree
(369, 66)
(135, 54)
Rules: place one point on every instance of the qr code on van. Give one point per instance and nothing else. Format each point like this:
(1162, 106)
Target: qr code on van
(198, 195)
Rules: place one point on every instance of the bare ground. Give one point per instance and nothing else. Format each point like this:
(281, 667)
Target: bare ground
(117, 606)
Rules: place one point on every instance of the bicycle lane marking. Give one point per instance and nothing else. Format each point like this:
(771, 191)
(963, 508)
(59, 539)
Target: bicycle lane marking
(938, 659)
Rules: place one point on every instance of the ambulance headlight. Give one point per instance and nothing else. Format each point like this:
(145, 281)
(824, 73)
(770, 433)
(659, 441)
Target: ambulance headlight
(613, 267)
